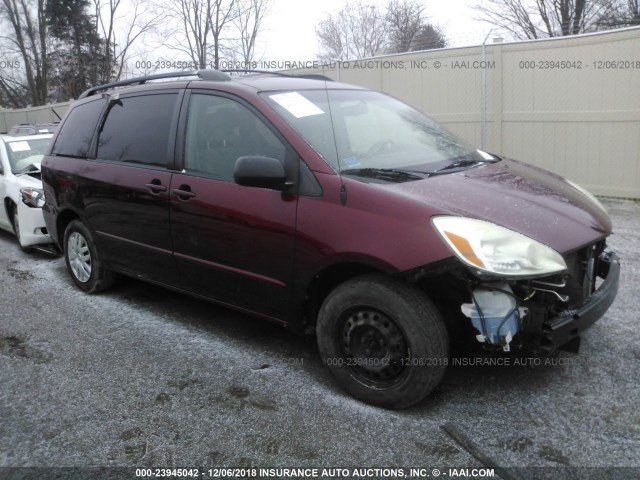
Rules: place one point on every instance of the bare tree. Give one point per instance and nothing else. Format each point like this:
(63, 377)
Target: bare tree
(123, 25)
(190, 30)
(625, 14)
(28, 42)
(223, 14)
(408, 27)
(358, 30)
(631, 14)
(248, 18)
(196, 28)
(405, 19)
(13, 93)
(531, 19)
(333, 40)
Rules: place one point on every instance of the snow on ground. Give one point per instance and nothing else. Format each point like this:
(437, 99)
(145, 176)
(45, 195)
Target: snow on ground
(140, 376)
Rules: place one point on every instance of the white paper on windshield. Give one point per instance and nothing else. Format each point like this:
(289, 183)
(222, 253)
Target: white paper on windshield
(19, 146)
(296, 104)
(486, 156)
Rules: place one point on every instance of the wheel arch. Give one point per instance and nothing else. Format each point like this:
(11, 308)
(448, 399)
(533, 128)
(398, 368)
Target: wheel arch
(331, 276)
(63, 219)
(8, 204)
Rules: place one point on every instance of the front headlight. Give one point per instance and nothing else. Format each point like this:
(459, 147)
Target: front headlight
(493, 249)
(32, 197)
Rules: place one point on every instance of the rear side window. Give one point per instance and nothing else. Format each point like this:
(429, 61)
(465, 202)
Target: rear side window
(77, 131)
(137, 130)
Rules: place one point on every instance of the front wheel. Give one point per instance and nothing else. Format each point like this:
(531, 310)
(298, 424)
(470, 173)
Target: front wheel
(383, 340)
(83, 260)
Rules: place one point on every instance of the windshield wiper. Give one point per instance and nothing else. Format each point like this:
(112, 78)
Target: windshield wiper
(467, 162)
(392, 173)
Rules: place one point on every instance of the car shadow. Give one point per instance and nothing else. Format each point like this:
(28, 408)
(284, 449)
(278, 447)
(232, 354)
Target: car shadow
(473, 372)
(219, 322)
(47, 250)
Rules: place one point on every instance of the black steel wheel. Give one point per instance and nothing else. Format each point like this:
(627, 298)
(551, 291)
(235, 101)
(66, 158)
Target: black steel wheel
(383, 340)
(374, 345)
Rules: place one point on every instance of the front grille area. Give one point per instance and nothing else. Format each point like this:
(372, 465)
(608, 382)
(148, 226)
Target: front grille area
(571, 288)
(582, 272)
(557, 295)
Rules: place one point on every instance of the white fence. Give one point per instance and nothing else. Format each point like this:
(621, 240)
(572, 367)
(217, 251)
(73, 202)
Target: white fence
(44, 114)
(570, 105)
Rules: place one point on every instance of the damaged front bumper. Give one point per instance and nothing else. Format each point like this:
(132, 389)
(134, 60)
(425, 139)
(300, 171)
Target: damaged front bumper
(569, 324)
(544, 314)
(33, 230)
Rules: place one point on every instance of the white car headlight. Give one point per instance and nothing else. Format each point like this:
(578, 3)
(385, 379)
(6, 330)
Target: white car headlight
(32, 197)
(493, 249)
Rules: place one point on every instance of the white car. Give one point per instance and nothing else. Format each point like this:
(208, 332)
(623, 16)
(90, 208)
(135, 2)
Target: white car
(21, 188)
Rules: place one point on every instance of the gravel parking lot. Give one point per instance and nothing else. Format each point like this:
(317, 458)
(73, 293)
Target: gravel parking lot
(140, 376)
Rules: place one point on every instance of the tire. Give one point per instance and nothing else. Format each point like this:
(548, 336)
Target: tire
(15, 222)
(383, 340)
(83, 259)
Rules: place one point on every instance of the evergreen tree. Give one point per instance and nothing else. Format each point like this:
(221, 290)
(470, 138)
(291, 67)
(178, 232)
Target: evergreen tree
(77, 61)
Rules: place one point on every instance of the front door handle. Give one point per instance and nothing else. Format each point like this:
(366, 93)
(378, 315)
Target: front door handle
(156, 186)
(184, 192)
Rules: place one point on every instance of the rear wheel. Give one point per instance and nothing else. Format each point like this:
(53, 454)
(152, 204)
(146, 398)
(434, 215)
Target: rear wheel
(383, 340)
(83, 259)
(15, 220)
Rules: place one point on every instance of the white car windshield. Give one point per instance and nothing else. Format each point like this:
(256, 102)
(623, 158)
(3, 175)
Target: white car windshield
(357, 130)
(22, 152)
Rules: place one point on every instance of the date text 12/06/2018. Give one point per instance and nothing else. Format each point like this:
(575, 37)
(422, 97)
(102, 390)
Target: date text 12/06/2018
(330, 472)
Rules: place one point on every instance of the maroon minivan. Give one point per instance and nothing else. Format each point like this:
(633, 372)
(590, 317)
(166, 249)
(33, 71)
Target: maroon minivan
(332, 210)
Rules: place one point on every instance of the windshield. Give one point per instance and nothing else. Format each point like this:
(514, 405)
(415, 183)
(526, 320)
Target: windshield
(22, 153)
(358, 130)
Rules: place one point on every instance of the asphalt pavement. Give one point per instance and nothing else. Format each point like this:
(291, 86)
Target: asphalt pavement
(143, 377)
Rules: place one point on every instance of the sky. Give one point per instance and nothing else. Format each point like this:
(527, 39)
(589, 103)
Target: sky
(289, 30)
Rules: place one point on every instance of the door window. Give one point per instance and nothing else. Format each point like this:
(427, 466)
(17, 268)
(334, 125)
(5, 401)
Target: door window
(219, 130)
(137, 130)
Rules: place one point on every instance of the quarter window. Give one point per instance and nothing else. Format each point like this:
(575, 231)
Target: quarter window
(77, 130)
(219, 130)
(137, 130)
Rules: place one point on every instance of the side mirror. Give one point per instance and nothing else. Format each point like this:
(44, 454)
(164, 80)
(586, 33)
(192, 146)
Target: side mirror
(263, 172)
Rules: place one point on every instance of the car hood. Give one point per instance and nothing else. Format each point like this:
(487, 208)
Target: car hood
(27, 180)
(521, 197)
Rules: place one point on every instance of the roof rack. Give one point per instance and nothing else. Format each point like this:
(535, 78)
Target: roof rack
(214, 75)
(314, 76)
(249, 70)
(279, 74)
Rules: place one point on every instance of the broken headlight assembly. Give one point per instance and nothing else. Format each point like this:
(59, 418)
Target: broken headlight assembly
(32, 197)
(491, 249)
